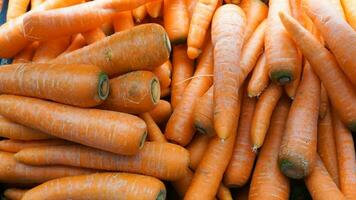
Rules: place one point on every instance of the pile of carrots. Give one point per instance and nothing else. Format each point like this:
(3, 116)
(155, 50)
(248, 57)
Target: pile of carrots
(187, 99)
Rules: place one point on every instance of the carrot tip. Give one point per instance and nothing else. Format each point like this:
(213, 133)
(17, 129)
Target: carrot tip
(282, 77)
(143, 140)
(155, 90)
(104, 86)
(290, 169)
(161, 195)
(193, 53)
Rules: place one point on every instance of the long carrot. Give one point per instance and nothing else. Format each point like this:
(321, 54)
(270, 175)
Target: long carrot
(191, 6)
(139, 13)
(262, 114)
(26, 55)
(78, 41)
(100, 186)
(16, 8)
(123, 21)
(15, 146)
(50, 49)
(153, 131)
(154, 8)
(88, 85)
(145, 46)
(223, 193)
(199, 25)
(14, 193)
(204, 113)
(324, 102)
(350, 12)
(259, 79)
(183, 69)
(164, 74)
(227, 32)
(161, 112)
(340, 90)
(36, 3)
(93, 35)
(268, 182)
(126, 132)
(180, 128)
(197, 148)
(241, 164)
(162, 160)
(181, 185)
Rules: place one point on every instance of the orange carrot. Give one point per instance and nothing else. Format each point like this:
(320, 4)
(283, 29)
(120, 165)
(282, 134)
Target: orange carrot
(197, 148)
(228, 28)
(146, 47)
(14, 193)
(324, 102)
(100, 186)
(17, 145)
(36, 3)
(78, 85)
(241, 164)
(153, 131)
(191, 6)
(164, 74)
(78, 42)
(259, 79)
(183, 69)
(26, 55)
(161, 112)
(181, 185)
(340, 90)
(155, 159)
(180, 128)
(262, 114)
(123, 21)
(232, 1)
(223, 193)
(204, 113)
(126, 132)
(268, 182)
(139, 13)
(50, 49)
(154, 8)
(350, 12)
(16, 8)
(176, 20)
(93, 35)
(165, 92)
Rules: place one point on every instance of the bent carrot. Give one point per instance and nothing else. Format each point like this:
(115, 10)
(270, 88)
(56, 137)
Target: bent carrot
(36, 3)
(155, 159)
(26, 55)
(350, 12)
(164, 74)
(161, 112)
(227, 32)
(139, 13)
(339, 88)
(94, 35)
(123, 21)
(100, 186)
(138, 47)
(197, 149)
(127, 133)
(267, 175)
(77, 42)
(259, 79)
(204, 113)
(223, 193)
(153, 131)
(15, 146)
(50, 49)
(324, 102)
(16, 8)
(154, 8)
(14, 193)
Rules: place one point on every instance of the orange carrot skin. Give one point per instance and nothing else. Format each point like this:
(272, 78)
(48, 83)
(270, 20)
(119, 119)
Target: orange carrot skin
(191, 6)
(78, 41)
(36, 3)
(324, 102)
(241, 164)
(126, 132)
(93, 36)
(197, 149)
(139, 13)
(161, 112)
(164, 74)
(228, 28)
(154, 8)
(259, 79)
(224, 193)
(14, 193)
(15, 146)
(100, 186)
(267, 175)
(204, 113)
(16, 8)
(108, 53)
(350, 12)
(50, 49)
(153, 131)
(26, 55)
(155, 159)
(181, 185)
(88, 86)
(123, 21)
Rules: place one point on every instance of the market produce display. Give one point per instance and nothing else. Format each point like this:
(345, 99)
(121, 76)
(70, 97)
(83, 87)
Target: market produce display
(177, 99)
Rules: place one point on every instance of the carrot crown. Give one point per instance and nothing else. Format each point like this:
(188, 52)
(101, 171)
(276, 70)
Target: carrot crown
(103, 86)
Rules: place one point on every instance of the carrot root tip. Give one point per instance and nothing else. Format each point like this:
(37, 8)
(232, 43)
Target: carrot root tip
(290, 169)
(161, 195)
(143, 139)
(155, 90)
(193, 52)
(255, 148)
(104, 86)
(282, 77)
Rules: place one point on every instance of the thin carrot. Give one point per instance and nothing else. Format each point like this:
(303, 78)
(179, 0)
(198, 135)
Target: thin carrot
(161, 112)
(36, 3)
(197, 148)
(139, 13)
(100, 186)
(153, 131)
(16, 8)
(14, 193)
(50, 49)
(126, 132)
(350, 12)
(183, 69)
(164, 74)
(77, 42)
(155, 159)
(123, 21)
(176, 20)
(154, 8)
(15, 146)
(224, 193)
(268, 182)
(180, 128)
(26, 55)
(93, 35)
(191, 6)
(259, 79)
(146, 47)
(204, 113)
(340, 90)
(324, 102)
(241, 164)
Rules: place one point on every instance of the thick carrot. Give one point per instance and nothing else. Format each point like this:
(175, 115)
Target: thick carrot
(199, 25)
(176, 20)
(16, 8)
(161, 112)
(243, 157)
(93, 35)
(268, 182)
(78, 41)
(298, 148)
(50, 49)
(123, 21)
(204, 113)
(324, 102)
(183, 69)
(162, 160)
(12, 171)
(180, 128)
(15, 146)
(259, 79)
(139, 13)
(262, 114)
(340, 90)
(26, 55)
(100, 186)
(164, 74)
(337, 33)
(153, 131)
(223, 193)
(127, 133)
(79, 85)
(345, 148)
(36, 3)
(146, 47)
(154, 8)
(227, 32)
(14, 193)
(197, 148)
(350, 12)
(181, 185)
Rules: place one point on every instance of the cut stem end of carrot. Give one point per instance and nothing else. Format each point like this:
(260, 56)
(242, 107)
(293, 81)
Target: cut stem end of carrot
(104, 86)
(143, 139)
(161, 195)
(289, 169)
(282, 77)
(155, 91)
(168, 43)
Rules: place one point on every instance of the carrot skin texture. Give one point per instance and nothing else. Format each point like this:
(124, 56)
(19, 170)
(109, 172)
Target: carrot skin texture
(259, 79)
(111, 54)
(16, 8)
(36, 3)
(26, 55)
(93, 36)
(123, 21)
(154, 133)
(14, 193)
(15, 146)
(197, 148)
(223, 193)
(50, 49)
(324, 102)
(164, 74)
(350, 12)
(126, 132)
(161, 112)
(181, 185)
(129, 186)
(139, 13)
(204, 113)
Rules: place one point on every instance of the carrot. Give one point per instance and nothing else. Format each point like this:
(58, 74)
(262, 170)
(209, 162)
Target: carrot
(181, 185)
(126, 132)
(211, 168)
(228, 27)
(224, 193)
(165, 92)
(14, 193)
(12, 130)
(259, 79)
(197, 148)
(204, 113)
(153, 131)
(345, 148)
(191, 6)
(180, 128)
(26, 55)
(326, 146)
(154, 8)
(145, 46)
(155, 159)
(183, 69)
(268, 182)
(77, 42)
(298, 148)
(164, 74)
(199, 25)
(36, 3)
(176, 20)
(262, 114)
(93, 35)
(161, 112)
(324, 102)
(256, 11)
(241, 164)
(15, 146)
(350, 10)
(123, 21)
(100, 186)
(16, 8)
(88, 85)
(337, 33)
(12, 171)
(50, 49)
(139, 13)
(336, 5)
(340, 90)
